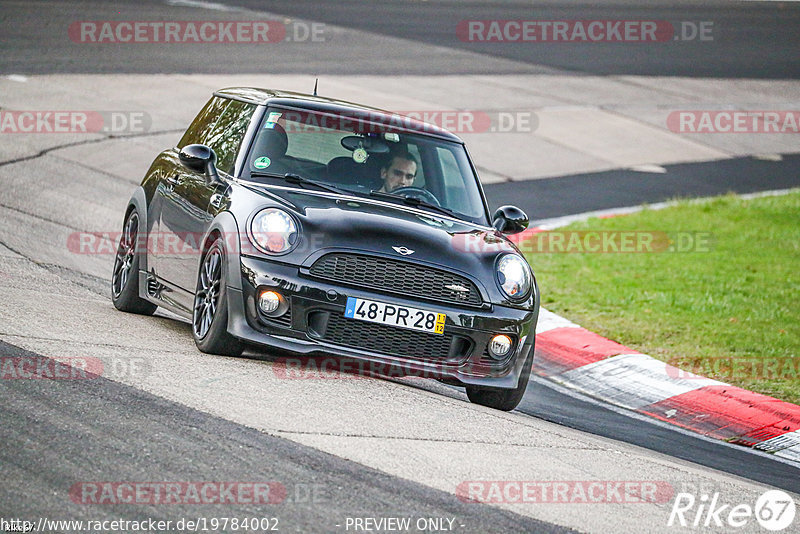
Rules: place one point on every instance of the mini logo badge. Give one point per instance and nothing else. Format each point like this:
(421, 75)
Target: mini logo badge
(456, 287)
(403, 250)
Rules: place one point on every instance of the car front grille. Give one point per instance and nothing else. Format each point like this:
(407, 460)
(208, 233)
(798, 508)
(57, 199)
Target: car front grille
(398, 277)
(335, 328)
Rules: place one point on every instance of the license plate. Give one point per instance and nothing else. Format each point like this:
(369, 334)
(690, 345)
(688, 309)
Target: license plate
(395, 315)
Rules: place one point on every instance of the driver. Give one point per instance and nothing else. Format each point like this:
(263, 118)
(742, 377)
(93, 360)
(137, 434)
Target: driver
(399, 171)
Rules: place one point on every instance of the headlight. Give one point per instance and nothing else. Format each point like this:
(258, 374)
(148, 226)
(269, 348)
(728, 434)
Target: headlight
(273, 231)
(514, 276)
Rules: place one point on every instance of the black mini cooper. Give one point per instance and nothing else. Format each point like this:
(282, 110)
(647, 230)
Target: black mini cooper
(323, 227)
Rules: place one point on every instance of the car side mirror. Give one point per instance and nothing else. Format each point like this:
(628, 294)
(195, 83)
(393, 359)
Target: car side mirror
(200, 158)
(510, 220)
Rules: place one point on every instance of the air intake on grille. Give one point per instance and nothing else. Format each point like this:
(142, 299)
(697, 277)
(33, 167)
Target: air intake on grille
(395, 276)
(335, 328)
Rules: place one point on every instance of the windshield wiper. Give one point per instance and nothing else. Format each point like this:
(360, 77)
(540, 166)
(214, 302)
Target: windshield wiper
(296, 179)
(416, 202)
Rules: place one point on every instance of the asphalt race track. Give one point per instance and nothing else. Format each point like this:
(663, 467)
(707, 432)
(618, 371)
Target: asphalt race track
(195, 443)
(568, 195)
(755, 39)
(741, 24)
(335, 450)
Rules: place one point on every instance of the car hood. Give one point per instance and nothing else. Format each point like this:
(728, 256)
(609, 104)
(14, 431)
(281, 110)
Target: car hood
(330, 222)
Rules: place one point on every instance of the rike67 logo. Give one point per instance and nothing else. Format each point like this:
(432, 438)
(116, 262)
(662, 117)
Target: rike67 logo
(774, 510)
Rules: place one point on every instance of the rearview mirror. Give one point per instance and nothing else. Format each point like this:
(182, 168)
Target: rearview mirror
(200, 158)
(510, 220)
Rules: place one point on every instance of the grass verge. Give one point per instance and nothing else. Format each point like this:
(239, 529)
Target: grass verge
(717, 292)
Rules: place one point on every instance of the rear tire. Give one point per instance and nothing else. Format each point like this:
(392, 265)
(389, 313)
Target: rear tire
(499, 398)
(125, 277)
(210, 310)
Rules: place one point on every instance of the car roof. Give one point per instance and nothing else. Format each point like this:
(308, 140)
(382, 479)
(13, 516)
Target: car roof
(255, 95)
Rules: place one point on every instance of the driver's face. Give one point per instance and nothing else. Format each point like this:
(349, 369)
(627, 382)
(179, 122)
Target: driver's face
(399, 174)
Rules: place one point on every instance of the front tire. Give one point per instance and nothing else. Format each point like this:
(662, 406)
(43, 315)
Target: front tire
(499, 398)
(125, 278)
(210, 311)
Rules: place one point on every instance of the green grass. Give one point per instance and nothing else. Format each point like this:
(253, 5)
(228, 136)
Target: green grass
(724, 311)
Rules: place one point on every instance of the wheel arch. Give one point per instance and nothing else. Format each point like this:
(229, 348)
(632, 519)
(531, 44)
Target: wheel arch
(225, 226)
(138, 201)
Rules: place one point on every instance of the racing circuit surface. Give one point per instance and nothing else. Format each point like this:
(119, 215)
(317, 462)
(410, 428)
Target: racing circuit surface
(353, 447)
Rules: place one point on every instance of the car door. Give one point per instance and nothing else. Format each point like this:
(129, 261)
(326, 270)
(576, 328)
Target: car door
(188, 211)
(166, 225)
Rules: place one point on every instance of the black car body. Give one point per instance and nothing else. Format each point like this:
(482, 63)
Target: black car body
(250, 229)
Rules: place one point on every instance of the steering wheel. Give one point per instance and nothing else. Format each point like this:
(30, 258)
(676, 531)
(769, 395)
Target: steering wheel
(418, 193)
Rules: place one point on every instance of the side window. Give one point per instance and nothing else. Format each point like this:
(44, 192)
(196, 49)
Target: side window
(226, 136)
(201, 126)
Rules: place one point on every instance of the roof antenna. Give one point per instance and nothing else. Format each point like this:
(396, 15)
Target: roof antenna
(316, 80)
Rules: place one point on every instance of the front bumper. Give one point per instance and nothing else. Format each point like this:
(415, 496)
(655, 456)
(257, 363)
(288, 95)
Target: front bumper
(315, 325)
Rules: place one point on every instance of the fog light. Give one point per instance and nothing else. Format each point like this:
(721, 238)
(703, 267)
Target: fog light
(500, 345)
(269, 301)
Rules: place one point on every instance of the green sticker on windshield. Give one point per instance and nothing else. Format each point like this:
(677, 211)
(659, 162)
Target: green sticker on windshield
(262, 162)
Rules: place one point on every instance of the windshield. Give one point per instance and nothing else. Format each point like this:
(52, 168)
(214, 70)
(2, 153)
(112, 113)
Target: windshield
(356, 154)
